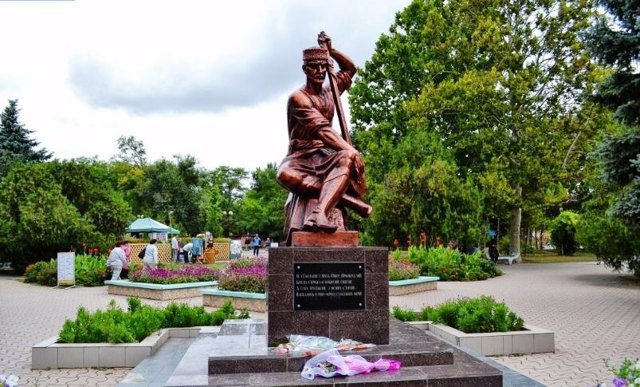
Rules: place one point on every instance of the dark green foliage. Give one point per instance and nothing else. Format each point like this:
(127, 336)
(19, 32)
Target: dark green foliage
(117, 326)
(452, 265)
(261, 208)
(42, 273)
(15, 144)
(174, 186)
(611, 240)
(46, 208)
(480, 96)
(563, 233)
(614, 39)
(620, 157)
(469, 315)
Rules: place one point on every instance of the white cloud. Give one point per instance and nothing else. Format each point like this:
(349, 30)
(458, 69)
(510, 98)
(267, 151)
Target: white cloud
(208, 79)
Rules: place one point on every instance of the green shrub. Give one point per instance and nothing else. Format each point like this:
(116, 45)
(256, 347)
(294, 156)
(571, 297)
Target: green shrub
(452, 265)
(42, 273)
(89, 271)
(563, 232)
(470, 315)
(117, 326)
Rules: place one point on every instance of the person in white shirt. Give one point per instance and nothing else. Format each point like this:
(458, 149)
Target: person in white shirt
(175, 247)
(117, 259)
(150, 259)
(188, 249)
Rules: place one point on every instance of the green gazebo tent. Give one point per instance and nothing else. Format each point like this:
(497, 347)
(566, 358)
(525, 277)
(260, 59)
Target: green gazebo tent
(150, 225)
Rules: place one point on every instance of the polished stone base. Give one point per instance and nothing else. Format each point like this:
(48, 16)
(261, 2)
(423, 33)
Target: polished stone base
(368, 324)
(322, 239)
(239, 356)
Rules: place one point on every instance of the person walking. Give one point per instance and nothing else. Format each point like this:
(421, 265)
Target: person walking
(493, 249)
(150, 260)
(256, 245)
(117, 259)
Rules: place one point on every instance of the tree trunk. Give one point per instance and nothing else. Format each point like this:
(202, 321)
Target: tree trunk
(514, 227)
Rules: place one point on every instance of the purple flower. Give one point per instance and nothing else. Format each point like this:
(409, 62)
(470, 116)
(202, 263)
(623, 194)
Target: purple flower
(619, 382)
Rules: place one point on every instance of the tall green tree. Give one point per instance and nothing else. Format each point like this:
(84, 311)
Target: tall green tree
(36, 219)
(15, 142)
(615, 40)
(174, 187)
(227, 186)
(261, 210)
(497, 82)
(86, 184)
(132, 151)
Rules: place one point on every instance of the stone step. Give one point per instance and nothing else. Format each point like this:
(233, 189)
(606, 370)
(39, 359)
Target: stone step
(241, 357)
(241, 346)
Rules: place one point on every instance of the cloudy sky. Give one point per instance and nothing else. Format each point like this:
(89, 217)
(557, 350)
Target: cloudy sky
(204, 78)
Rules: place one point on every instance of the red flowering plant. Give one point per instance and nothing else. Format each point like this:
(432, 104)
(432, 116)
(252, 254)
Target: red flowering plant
(245, 275)
(401, 269)
(175, 274)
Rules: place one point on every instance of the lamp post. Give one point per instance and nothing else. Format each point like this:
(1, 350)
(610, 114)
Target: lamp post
(170, 220)
(227, 220)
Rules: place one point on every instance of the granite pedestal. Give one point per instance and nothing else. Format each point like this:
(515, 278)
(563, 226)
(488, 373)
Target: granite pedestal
(324, 307)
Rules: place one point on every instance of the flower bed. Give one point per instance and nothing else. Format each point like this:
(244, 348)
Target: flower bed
(529, 340)
(244, 282)
(118, 338)
(175, 274)
(157, 291)
(452, 265)
(245, 275)
(481, 324)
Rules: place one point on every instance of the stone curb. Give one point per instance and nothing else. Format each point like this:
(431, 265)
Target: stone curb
(49, 354)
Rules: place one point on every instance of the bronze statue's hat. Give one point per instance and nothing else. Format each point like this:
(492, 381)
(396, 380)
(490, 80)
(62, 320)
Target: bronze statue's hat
(315, 53)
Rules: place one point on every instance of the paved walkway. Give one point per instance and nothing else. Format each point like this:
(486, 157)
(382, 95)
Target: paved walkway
(595, 314)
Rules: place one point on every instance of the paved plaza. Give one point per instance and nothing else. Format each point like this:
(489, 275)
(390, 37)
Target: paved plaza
(594, 313)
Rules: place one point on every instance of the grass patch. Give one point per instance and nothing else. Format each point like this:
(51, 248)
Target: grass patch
(553, 257)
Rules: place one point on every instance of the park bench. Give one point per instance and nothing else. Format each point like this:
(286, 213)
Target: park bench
(510, 259)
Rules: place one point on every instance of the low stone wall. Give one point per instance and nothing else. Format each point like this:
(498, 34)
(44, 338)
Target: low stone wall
(157, 291)
(415, 285)
(255, 302)
(531, 340)
(49, 354)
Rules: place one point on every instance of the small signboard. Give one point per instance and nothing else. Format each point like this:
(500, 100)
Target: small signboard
(328, 286)
(67, 269)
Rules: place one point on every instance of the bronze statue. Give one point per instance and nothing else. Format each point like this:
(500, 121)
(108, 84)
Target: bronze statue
(323, 172)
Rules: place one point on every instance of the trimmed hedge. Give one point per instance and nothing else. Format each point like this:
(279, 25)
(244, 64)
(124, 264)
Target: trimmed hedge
(452, 265)
(470, 315)
(117, 326)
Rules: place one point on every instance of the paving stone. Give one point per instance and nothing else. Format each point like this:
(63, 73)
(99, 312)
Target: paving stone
(593, 312)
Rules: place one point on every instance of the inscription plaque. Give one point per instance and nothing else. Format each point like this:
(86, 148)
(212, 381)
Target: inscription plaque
(328, 286)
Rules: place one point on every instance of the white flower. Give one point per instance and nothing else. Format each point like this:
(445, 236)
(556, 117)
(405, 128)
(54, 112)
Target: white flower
(12, 381)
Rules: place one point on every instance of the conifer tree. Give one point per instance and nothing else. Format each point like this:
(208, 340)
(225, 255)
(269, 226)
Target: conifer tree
(15, 143)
